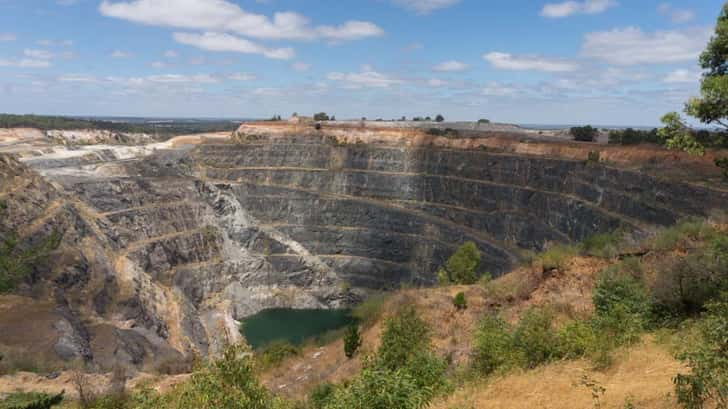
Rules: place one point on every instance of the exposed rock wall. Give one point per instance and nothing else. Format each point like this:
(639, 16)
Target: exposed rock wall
(166, 246)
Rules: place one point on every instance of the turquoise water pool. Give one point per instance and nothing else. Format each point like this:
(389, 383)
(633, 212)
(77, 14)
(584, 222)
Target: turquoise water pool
(294, 326)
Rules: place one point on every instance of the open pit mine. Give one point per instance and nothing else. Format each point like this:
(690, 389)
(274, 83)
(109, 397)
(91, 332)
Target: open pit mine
(165, 246)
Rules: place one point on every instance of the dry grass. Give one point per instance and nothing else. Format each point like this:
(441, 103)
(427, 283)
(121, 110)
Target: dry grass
(641, 375)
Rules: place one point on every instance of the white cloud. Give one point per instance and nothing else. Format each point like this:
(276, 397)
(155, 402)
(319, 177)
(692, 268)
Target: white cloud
(366, 78)
(221, 15)
(300, 66)
(229, 43)
(496, 89)
(677, 16)
(24, 63)
(77, 78)
(7, 37)
(159, 64)
(120, 54)
(450, 66)
(436, 83)
(242, 76)
(425, 6)
(682, 76)
(507, 61)
(37, 54)
(170, 54)
(569, 8)
(631, 46)
(176, 78)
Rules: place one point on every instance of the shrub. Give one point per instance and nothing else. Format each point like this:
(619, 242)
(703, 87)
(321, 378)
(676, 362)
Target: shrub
(370, 309)
(536, 338)
(684, 285)
(584, 133)
(577, 339)
(616, 288)
(439, 118)
(708, 362)
(462, 266)
(321, 116)
(17, 261)
(492, 345)
(24, 400)
(352, 340)
(556, 257)
(275, 352)
(404, 335)
(321, 395)
(460, 302)
(227, 383)
(602, 245)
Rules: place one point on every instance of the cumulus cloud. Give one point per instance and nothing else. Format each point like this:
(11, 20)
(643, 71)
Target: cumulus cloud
(120, 54)
(366, 78)
(505, 61)
(682, 76)
(300, 66)
(677, 16)
(425, 6)
(221, 15)
(450, 66)
(631, 46)
(570, 8)
(228, 43)
(242, 76)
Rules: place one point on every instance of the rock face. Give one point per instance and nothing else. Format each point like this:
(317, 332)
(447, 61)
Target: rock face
(165, 247)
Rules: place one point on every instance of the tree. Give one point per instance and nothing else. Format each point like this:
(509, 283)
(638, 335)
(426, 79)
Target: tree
(676, 135)
(321, 116)
(439, 118)
(712, 105)
(483, 121)
(584, 133)
(352, 340)
(460, 302)
(462, 266)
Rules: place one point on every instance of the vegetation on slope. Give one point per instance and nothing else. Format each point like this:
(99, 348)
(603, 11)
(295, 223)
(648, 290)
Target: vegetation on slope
(160, 129)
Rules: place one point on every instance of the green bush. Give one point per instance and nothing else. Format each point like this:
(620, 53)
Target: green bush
(18, 261)
(577, 339)
(227, 383)
(536, 338)
(460, 302)
(492, 345)
(683, 285)
(556, 257)
(352, 340)
(32, 400)
(275, 352)
(616, 288)
(404, 373)
(462, 266)
(405, 334)
(321, 395)
(708, 361)
(602, 245)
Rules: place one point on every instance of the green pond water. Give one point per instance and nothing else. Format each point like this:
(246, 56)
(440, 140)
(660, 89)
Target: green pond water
(294, 326)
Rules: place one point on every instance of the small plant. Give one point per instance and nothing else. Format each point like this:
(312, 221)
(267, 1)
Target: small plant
(596, 389)
(460, 302)
(492, 345)
(536, 337)
(593, 157)
(276, 352)
(556, 257)
(352, 340)
(321, 395)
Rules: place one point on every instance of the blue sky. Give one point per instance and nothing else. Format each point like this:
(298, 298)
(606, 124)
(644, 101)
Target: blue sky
(621, 62)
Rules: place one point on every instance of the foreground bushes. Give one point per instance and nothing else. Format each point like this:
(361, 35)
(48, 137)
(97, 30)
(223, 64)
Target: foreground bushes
(403, 373)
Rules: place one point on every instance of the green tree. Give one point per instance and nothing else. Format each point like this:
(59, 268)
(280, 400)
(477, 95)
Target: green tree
(584, 133)
(321, 116)
(712, 105)
(439, 118)
(708, 361)
(460, 302)
(676, 135)
(352, 340)
(462, 266)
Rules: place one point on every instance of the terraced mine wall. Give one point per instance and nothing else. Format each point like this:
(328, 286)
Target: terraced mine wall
(164, 247)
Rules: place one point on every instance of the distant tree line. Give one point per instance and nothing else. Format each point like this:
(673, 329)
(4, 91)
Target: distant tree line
(171, 128)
